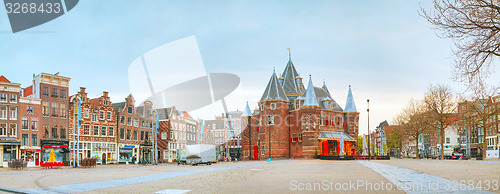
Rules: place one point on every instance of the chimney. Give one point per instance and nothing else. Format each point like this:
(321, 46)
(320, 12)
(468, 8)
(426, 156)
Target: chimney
(105, 94)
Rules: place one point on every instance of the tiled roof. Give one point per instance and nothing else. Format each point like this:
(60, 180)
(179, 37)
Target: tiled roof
(4, 79)
(274, 91)
(28, 91)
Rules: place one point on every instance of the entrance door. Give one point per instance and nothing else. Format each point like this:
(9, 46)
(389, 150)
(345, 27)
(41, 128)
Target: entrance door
(37, 162)
(255, 152)
(103, 158)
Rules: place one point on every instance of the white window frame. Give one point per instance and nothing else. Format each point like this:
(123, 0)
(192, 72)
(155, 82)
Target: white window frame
(3, 97)
(3, 129)
(3, 112)
(13, 113)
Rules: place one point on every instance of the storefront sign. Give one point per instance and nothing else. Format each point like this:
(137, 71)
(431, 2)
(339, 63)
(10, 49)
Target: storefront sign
(54, 146)
(32, 149)
(128, 146)
(125, 150)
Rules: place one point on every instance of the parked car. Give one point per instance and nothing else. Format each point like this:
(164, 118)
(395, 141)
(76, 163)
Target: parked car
(456, 156)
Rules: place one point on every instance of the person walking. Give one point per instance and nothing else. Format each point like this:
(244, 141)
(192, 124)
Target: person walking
(133, 160)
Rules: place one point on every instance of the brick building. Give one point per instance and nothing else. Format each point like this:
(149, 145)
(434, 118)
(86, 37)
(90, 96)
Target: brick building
(97, 130)
(135, 129)
(30, 112)
(9, 106)
(52, 90)
(296, 122)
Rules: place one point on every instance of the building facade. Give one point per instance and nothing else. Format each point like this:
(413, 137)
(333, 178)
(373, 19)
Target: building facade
(9, 111)
(97, 132)
(135, 129)
(52, 90)
(294, 122)
(30, 112)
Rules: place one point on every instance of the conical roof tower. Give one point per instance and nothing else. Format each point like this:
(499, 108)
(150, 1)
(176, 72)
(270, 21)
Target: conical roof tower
(350, 106)
(273, 91)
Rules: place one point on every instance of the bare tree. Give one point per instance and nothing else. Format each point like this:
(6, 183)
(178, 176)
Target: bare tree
(440, 106)
(414, 121)
(474, 27)
(480, 109)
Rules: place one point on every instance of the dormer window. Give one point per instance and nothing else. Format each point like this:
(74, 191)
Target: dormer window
(261, 107)
(273, 106)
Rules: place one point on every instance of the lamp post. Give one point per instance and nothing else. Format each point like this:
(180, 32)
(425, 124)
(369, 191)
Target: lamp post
(157, 121)
(368, 111)
(269, 127)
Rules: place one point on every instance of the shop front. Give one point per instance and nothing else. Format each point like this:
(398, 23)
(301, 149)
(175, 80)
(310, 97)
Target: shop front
(9, 150)
(146, 153)
(127, 153)
(104, 152)
(31, 155)
(54, 153)
(336, 144)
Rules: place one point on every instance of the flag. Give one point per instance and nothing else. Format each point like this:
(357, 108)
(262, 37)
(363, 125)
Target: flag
(157, 122)
(79, 112)
(287, 48)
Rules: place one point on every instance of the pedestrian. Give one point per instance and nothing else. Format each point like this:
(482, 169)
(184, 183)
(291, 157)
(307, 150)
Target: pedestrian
(133, 160)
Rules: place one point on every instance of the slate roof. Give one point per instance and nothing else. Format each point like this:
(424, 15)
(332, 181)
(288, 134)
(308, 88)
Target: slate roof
(310, 95)
(247, 111)
(274, 91)
(290, 84)
(322, 95)
(350, 106)
(334, 135)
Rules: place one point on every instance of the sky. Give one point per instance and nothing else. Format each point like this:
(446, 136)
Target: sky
(383, 49)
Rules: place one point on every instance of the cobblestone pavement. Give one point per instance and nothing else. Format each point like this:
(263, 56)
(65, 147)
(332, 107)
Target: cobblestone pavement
(286, 176)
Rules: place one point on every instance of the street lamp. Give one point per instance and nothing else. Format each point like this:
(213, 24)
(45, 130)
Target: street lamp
(368, 110)
(155, 137)
(269, 127)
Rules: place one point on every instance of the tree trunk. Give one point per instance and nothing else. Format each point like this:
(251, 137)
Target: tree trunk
(441, 133)
(417, 149)
(485, 144)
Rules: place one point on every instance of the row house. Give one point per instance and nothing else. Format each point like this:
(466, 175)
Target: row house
(97, 132)
(52, 90)
(183, 130)
(9, 106)
(472, 132)
(135, 128)
(215, 132)
(164, 137)
(30, 113)
(234, 133)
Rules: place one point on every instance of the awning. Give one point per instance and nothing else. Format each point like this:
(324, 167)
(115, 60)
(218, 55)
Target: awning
(10, 143)
(335, 135)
